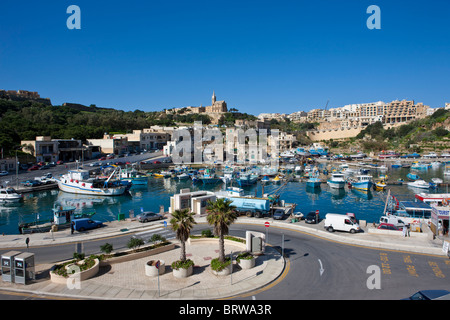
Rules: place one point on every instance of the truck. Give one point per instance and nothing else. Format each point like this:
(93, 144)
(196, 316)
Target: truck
(257, 207)
(340, 222)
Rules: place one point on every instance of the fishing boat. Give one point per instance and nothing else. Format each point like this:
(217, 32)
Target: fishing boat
(9, 195)
(247, 179)
(380, 185)
(337, 181)
(133, 176)
(437, 181)
(230, 192)
(420, 166)
(162, 174)
(396, 164)
(447, 171)
(412, 176)
(79, 182)
(422, 184)
(209, 177)
(182, 176)
(313, 181)
(361, 182)
(62, 218)
(435, 164)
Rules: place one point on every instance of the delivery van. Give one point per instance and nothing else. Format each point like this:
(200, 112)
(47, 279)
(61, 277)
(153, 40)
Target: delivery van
(396, 221)
(340, 222)
(86, 224)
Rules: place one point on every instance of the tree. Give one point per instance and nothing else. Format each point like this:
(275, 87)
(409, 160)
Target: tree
(182, 223)
(221, 214)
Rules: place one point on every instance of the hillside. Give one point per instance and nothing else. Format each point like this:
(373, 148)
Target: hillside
(428, 134)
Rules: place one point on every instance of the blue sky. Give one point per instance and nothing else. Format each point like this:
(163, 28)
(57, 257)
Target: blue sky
(259, 56)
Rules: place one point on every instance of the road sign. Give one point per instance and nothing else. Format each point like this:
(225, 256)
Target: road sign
(267, 224)
(165, 224)
(157, 264)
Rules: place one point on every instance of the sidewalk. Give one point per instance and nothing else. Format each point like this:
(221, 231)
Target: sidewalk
(127, 280)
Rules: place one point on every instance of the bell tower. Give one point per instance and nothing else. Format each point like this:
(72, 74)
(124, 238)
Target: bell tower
(213, 98)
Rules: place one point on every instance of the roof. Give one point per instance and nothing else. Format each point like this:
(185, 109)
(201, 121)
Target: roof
(411, 205)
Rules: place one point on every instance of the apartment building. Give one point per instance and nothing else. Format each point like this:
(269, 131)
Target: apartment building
(46, 149)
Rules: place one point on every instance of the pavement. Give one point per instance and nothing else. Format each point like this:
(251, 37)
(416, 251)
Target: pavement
(127, 280)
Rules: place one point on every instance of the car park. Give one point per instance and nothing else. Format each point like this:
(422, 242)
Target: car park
(148, 216)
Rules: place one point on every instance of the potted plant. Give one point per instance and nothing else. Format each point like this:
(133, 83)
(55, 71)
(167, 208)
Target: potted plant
(246, 260)
(182, 223)
(221, 214)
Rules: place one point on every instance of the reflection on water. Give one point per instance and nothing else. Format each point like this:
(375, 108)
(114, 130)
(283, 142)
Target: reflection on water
(366, 205)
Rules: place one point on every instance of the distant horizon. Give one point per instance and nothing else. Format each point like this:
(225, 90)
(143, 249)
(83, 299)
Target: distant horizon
(259, 57)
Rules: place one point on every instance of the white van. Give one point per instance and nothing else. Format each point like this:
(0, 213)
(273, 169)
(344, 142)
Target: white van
(396, 221)
(340, 222)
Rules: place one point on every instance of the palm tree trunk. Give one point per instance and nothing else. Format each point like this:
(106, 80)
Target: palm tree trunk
(221, 249)
(183, 251)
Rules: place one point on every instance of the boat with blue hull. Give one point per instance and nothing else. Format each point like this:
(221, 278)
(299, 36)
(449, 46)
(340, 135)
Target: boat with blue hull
(247, 179)
(362, 182)
(412, 176)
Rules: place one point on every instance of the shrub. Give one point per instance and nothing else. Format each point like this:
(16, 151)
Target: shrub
(207, 233)
(245, 256)
(135, 243)
(216, 265)
(182, 264)
(106, 248)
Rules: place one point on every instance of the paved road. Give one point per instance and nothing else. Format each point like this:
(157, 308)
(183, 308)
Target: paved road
(317, 269)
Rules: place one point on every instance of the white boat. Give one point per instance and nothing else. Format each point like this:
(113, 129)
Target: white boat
(422, 184)
(437, 180)
(133, 176)
(287, 154)
(337, 181)
(8, 195)
(435, 164)
(432, 197)
(230, 192)
(79, 182)
(431, 155)
(182, 176)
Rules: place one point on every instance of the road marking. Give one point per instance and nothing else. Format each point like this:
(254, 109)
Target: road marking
(384, 263)
(437, 271)
(411, 269)
(321, 270)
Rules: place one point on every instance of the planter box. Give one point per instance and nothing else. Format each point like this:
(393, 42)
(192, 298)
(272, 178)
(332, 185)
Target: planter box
(84, 275)
(152, 271)
(247, 263)
(224, 272)
(183, 273)
(137, 255)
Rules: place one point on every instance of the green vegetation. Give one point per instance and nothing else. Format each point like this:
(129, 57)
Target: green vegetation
(430, 129)
(88, 263)
(184, 264)
(217, 265)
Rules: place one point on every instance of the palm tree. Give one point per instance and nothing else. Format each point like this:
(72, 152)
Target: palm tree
(221, 214)
(182, 223)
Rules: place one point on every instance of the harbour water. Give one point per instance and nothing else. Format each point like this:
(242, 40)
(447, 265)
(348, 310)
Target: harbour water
(367, 206)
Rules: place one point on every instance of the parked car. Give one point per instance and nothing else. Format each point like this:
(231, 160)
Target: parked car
(156, 161)
(86, 224)
(32, 183)
(311, 217)
(4, 173)
(102, 158)
(278, 214)
(148, 216)
(429, 295)
(33, 167)
(44, 167)
(59, 162)
(388, 226)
